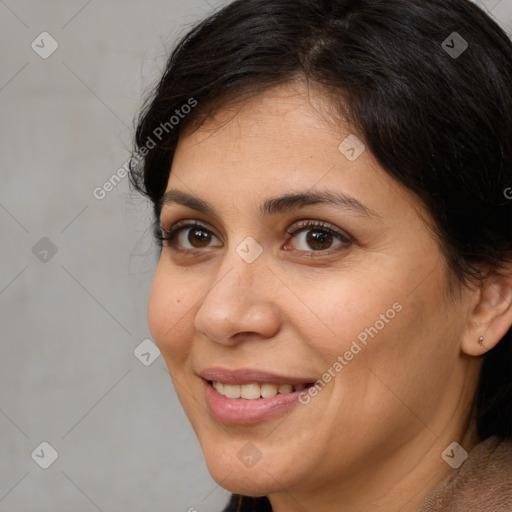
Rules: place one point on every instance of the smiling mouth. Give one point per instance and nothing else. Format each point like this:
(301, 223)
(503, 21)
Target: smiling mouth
(255, 391)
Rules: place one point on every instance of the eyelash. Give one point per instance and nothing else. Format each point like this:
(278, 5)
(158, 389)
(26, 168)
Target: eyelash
(168, 236)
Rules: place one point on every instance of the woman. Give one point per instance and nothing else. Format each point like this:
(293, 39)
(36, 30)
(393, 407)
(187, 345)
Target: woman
(333, 297)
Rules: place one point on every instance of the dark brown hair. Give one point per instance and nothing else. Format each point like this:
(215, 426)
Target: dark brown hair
(427, 84)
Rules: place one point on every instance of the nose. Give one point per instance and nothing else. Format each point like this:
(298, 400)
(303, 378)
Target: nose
(239, 304)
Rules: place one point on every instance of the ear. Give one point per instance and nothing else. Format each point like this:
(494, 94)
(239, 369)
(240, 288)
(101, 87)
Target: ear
(491, 316)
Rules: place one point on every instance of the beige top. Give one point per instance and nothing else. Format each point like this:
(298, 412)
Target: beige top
(482, 483)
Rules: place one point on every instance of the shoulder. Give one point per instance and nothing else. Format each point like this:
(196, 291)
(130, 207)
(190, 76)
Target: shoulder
(483, 482)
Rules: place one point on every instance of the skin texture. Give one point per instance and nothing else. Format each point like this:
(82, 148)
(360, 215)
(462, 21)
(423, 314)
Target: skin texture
(372, 438)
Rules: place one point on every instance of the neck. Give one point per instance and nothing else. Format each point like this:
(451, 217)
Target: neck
(400, 482)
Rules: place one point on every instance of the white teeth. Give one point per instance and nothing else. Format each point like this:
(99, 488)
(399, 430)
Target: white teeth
(232, 390)
(268, 390)
(253, 391)
(219, 387)
(285, 388)
(250, 391)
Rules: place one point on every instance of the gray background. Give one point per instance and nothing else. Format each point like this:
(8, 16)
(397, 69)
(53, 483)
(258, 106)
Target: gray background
(70, 321)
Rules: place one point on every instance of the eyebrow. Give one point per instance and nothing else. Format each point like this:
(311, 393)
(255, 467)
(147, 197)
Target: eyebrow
(273, 206)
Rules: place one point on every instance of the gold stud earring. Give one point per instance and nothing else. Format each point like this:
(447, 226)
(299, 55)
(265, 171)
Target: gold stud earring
(481, 342)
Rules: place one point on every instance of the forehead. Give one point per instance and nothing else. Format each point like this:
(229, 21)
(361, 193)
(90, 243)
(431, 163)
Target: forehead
(287, 131)
(283, 141)
(290, 110)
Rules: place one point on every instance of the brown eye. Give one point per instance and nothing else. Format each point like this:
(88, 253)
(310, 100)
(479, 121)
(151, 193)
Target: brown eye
(319, 240)
(189, 237)
(312, 236)
(198, 238)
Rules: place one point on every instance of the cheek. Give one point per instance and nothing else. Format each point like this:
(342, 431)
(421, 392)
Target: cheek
(348, 310)
(380, 330)
(169, 318)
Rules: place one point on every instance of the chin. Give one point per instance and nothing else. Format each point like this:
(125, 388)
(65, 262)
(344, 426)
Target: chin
(226, 466)
(253, 483)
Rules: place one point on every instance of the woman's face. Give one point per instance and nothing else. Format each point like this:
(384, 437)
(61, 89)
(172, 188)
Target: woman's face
(298, 260)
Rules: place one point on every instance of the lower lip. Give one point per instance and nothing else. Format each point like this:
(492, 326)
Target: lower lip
(246, 412)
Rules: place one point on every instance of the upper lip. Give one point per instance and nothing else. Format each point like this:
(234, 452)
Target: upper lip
(250, 376)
